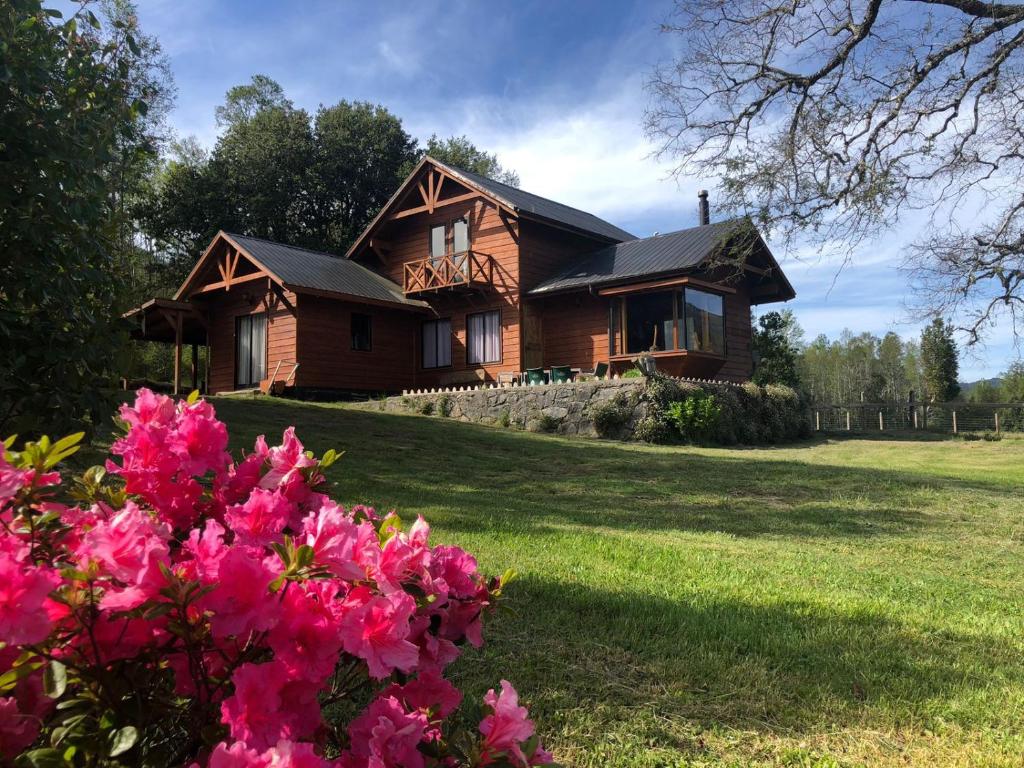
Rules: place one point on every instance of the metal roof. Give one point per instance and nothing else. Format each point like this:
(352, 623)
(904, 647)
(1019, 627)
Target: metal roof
(541, 207)
(304, 268)
(671, 252)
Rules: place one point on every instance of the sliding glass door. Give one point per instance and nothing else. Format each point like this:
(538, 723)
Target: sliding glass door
(250, 350)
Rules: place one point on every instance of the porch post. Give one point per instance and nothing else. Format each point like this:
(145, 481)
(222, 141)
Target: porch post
(177, 353)
(195, 367)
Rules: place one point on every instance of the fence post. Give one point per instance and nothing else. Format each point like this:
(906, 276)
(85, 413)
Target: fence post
(915, 417)
(881, 423)
(954, 422)
(847, 419)
(997, 421)
(817, 421)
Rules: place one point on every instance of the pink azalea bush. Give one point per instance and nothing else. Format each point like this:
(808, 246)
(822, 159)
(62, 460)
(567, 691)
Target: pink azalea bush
(178, 609)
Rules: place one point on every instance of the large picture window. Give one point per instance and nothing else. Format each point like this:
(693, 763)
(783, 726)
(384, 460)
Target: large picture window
(437, 343)
(704, 319)
(483, 338)
(683, 319)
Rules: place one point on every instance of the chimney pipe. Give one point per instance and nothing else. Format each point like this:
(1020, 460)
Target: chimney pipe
(705, 212)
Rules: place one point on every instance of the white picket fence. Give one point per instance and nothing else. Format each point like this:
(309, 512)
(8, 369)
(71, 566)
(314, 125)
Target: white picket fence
(483, 386)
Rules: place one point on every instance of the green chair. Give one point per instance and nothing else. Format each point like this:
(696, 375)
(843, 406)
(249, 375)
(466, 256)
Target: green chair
(601, 370)
(536, 376)
(560, 374)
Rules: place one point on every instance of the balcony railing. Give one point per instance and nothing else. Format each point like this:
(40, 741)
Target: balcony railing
(469, 269)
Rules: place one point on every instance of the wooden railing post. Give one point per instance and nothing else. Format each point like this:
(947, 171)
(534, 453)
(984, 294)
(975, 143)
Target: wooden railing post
(954, 422)
(817, 421)
(847, 419)
(881, 423)
(996, 414)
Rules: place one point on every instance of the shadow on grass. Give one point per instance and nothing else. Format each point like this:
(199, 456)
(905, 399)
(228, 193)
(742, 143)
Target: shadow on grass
(480, 476)
(713, 660)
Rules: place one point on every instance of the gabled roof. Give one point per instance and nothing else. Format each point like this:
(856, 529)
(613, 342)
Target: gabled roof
(511, 198)
(673, 252)
(540, 207)
(302, 269)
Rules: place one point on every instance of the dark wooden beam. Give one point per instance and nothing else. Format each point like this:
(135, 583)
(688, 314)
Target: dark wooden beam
(440, 204)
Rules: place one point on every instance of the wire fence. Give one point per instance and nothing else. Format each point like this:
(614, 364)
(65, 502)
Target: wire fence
(940, 418)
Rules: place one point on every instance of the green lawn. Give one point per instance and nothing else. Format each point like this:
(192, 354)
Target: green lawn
(853, 602)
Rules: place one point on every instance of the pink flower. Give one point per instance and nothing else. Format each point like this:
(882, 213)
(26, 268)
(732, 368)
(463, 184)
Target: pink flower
(306, 639)
(506, 727)
(24, 589)
(17, 729)
(286, 464)
(149, 410)
(435, 652)
(260, 520)
(341, 544)
(12, 480)
(386, 736)
(242, 603)
(428, 692)
(268, 706)
(457, 569)
(129, 547)
(375, 628)
(292, 754)
(199, 440)
(404, 558)
(207, 549)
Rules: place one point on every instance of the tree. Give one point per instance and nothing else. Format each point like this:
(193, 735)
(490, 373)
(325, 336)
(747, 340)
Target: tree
(68, 116)
(895, 387)
(776, 350)
(242, 102)
(833, 119)
(939, 364)
(362, 154)
(1012, 383)
(460, 152)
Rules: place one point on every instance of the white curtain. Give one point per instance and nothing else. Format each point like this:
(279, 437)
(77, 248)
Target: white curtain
(437, 344)
(259, 348)
(484, 337)
(251, 342)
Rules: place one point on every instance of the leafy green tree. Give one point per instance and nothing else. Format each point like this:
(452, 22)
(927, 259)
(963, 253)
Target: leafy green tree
(68, 115)
(776, 349)
(460, 152)
(242, 102)
(986, 392)
(362, 155)
(1012, 383)
(939, 361)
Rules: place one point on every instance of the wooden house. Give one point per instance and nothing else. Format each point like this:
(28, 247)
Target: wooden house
(461, 279)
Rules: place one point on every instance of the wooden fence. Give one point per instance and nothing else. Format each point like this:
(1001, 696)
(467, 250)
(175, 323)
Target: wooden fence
(943, 418)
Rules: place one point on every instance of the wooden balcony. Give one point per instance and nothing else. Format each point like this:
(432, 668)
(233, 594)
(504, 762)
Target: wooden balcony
(468, 270)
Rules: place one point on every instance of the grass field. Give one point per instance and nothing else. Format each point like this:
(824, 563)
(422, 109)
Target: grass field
(838, 603)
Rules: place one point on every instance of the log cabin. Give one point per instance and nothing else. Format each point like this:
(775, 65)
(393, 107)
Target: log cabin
(459, 280)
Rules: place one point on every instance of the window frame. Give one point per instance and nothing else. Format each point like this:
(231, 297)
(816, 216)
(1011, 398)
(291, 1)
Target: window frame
(423, 327)
(618, 323)
(469, 344)
(369, 331)
(449, 236)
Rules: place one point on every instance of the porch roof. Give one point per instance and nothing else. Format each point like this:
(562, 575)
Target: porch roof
(155, 321)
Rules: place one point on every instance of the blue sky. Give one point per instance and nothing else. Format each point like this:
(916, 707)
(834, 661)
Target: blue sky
(556, 89)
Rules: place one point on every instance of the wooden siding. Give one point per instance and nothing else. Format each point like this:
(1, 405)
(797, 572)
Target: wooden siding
(489, 233)
(546, 251)
(222, 307)
(325, 347)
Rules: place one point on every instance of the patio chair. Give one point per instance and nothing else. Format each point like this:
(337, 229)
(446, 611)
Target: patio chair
(600, 371)
(536, 376)
(560, 374)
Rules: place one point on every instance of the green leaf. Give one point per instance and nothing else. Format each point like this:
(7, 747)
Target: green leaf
(55, 679)
(122, 740)
(43, 758)
(193, 396)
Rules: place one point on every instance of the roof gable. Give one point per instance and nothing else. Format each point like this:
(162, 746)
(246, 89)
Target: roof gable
(511, 199)
(303, 270)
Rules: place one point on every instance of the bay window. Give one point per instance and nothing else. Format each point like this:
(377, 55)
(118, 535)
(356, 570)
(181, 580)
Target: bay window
(681, 319)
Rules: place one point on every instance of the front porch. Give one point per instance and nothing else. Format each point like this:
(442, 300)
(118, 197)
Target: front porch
(167, 321)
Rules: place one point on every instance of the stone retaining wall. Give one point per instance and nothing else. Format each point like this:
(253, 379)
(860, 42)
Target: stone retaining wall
(563, 408)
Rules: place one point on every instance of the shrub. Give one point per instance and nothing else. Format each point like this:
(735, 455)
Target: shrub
(445, 403)
(696, 417)
(427, 407)
(633, 373)
(180, 609)
(546, 423)
(612, 415)
(505, 419)
(653, 429)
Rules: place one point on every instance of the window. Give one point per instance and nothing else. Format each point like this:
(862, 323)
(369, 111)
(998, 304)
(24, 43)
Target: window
(704, 320)
(460, 236)
(250, 350)
(685, 318)
(361, 332)
(437, 343)
(483, 338)
(649, 322)
(437, 241)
